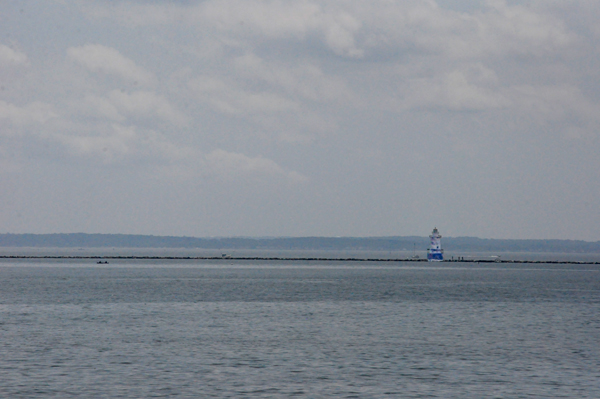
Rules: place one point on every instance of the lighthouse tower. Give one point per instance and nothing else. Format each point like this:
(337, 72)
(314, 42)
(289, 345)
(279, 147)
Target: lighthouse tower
(435, 252)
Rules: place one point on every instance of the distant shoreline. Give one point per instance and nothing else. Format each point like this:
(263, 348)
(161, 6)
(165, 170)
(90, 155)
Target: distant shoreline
(404, 243)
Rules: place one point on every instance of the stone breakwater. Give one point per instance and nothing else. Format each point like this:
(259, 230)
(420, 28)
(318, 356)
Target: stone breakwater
(319, 259)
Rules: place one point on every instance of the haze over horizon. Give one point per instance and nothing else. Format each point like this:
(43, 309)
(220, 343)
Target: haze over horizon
(262, 118)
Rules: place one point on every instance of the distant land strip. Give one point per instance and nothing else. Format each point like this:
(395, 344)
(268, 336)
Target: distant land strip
(404, 243)
(104, 259)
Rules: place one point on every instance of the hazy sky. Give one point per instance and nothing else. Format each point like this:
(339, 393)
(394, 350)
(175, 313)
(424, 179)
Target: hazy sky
(298, 118)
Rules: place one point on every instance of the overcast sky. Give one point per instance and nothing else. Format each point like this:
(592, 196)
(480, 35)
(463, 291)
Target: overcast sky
(301, 118)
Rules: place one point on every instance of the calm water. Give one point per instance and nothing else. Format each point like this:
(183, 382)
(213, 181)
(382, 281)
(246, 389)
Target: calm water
(258, 329)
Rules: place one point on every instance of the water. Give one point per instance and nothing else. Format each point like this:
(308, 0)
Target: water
(139, 329)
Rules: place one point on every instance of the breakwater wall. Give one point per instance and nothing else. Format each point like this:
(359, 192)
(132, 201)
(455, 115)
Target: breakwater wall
(291, 259)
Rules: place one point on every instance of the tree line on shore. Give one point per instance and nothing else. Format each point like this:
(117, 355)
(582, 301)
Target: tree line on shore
(75, 240)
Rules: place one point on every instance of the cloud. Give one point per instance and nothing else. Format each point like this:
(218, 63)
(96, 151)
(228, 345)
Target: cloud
(274, 111)
(232, 164)
(278, 20)
(98, 106)
(518, 29)
(339, 35)
(230, 99)
(306, 80)
(271, 20)
(474, 88)
(137, 14)
(356, 29)
(119, 106)
(119, 141)
(31, 114)
(9, 56)
(99, 58)
(125, 144)
(146, 104)
(548, 104)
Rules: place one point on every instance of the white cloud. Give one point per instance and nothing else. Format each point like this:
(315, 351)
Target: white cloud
(272, 20)
(273, 111)
(357, 29)
(339, 35)
(278, 20)
(306, 80)
(117, 143)
(99, 58)
(471, 89)
(135, 15)
(126, 144)
(520, 30)
(230, 99)
(9, 56)
(114, 144)
(147, 104)
(141, 105)
(232, 164)
(33, 113)
(551, 103)
(99, 106)
(391, 29)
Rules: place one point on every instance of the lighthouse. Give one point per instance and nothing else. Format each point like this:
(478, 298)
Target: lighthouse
(435, 252)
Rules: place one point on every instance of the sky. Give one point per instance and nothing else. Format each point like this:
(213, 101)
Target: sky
(267, 118)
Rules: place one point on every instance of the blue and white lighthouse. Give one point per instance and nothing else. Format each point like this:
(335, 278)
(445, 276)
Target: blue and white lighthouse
(435, 252)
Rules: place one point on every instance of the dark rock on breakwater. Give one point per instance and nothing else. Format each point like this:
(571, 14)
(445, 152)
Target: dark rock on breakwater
(295, 259)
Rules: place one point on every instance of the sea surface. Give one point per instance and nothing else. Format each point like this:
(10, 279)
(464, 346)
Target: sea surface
(252, 329)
